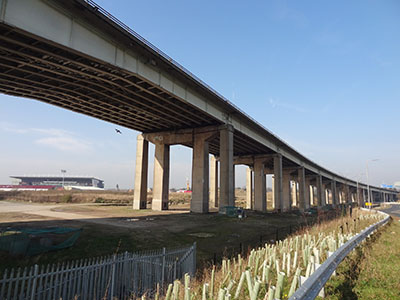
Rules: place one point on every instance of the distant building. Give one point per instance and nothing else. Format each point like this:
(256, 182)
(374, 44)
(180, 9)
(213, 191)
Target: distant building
(397, 185)
(39, 182)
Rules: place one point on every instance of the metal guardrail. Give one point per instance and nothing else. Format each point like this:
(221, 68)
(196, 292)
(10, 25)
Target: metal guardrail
(313, 285)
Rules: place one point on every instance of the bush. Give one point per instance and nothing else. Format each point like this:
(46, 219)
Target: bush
(66, 198)
(100, 200)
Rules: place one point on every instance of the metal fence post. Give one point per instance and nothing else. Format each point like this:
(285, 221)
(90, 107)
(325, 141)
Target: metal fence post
(35, 274)
(112, 278)
(194, 255)
(175, 268)
(163, 268)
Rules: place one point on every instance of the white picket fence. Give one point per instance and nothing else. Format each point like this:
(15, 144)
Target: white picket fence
(122, 276)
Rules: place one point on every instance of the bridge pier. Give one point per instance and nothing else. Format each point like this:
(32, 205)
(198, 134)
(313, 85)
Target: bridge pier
(141, 172)
(286, 190)
(301, 177)
(320, 191)
(260, 200)
(249, 188)
(364, 195)
(327, 195)
(335, 193)
(161, 177)
(226, 165)
(307, 193)
(214, 182)
(293, 192)
(278, 186)
(200, 173)
(347, 193)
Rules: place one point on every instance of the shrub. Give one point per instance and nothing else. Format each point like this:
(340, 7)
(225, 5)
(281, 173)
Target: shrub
(100, 200)
(66, 198)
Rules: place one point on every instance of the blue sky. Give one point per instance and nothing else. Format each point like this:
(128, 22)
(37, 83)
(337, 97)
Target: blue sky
(322, 75)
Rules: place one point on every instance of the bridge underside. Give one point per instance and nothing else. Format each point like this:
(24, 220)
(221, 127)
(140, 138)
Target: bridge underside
(36, 68)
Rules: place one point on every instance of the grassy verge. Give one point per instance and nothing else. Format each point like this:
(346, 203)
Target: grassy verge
(371, 271)
(271, 272)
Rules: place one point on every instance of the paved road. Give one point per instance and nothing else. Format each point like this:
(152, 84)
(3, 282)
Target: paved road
(393, 210)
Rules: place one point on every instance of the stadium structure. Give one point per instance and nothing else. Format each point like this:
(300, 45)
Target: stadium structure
(40, 182)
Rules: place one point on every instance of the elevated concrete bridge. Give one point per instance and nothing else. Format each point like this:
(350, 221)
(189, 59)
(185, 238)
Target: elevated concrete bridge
(75, 55)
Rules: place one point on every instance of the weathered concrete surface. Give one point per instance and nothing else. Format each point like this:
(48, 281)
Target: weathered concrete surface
(278, 197)
(141, 172)
(226, 165)
(249, 188)
(161, 177)
(260, 201)
(214, 182)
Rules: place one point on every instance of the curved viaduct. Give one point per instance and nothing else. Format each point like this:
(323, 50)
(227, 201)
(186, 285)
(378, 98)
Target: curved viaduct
(75, 55)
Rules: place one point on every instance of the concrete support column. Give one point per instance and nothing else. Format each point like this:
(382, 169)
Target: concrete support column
(249, 188)
(320, 191)
(294, 199)
(233, 181)
(141, 172)
(260, 201)
(161, 177)
(364, 196)
(335, 196)
(286, 201)
(214, 182)
(302, 188)
(307, 194)
(326, 195)
(200, 175)
(278, 197)
(312, 195)
(347, 194)
(226, 165)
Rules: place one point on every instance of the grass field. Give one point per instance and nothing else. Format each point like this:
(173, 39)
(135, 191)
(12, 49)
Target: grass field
(372, 271)
(215, 235)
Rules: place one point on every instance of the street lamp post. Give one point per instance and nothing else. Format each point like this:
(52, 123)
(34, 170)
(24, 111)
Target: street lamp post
(63, 172)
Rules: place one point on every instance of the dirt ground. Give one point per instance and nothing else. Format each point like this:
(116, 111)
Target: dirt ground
(109, 228)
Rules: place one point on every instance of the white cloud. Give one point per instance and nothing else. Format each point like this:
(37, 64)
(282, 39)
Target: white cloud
(276, 104)
(59, 139)
(65, 143)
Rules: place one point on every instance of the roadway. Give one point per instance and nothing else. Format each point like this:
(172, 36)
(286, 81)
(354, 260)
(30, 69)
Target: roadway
(393, 210)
